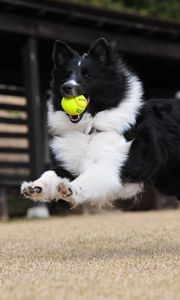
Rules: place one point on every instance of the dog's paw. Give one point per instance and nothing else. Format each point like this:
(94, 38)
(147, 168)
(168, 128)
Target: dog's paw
(65, 190)
(43, 189)
(131, 190)
(29, 190)
(66, 193)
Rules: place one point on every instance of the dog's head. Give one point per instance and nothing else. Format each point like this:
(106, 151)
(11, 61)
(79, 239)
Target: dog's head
(99, 75)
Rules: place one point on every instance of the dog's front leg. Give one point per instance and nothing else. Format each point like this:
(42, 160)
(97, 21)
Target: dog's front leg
(99, 184)
(43, 189)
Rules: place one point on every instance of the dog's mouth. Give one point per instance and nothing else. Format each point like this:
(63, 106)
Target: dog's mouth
(76, 119)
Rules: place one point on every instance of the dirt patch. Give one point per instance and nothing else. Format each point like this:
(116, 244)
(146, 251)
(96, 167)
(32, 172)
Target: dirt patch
(129, 256)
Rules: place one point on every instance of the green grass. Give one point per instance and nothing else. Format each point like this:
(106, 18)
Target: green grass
(164, 9)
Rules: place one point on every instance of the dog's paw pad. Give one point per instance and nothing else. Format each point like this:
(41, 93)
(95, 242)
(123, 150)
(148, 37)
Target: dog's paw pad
(29, 191)
(37, 189)
(65, 190)
(66, 193)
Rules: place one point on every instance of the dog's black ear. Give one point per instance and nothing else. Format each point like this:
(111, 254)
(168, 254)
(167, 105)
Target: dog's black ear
(61, 53)
(100, 50)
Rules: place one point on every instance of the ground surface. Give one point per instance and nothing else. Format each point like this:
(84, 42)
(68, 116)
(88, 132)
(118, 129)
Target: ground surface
(108, 256)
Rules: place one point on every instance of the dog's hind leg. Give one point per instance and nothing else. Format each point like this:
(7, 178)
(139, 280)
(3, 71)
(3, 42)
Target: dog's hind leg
(131, 190)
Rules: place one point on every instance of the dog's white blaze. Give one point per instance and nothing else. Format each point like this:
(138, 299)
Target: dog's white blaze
(72, 81)
(79, 62)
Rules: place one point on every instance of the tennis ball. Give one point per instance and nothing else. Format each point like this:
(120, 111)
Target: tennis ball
(74, 106)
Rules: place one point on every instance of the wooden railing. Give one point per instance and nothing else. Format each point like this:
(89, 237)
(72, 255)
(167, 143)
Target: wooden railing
(14, 142)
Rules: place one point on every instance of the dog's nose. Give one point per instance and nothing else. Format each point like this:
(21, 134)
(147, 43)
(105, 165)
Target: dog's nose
(67, 89)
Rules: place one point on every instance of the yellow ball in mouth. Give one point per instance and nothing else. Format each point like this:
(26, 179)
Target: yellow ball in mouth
(74, 106)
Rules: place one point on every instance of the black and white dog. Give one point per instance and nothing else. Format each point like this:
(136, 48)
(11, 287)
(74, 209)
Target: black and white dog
(118, 143)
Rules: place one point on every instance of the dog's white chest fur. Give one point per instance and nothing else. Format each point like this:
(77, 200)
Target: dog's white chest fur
(76, 151)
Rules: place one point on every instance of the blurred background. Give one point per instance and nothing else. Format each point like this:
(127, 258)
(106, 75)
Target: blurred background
(148, 36)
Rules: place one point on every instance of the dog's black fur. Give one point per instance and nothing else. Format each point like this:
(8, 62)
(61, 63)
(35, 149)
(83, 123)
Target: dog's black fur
(103, 77)
(155, 152)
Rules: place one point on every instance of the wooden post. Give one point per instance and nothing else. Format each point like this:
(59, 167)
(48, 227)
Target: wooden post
(3, 204)
(32, 93)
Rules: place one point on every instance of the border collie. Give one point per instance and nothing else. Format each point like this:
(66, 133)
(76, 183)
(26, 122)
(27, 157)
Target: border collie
(118, 143)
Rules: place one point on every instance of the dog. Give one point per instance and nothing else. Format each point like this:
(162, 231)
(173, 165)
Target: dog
(121, 140)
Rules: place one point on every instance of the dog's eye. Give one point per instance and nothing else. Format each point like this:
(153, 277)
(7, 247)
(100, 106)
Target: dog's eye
(85, 73)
